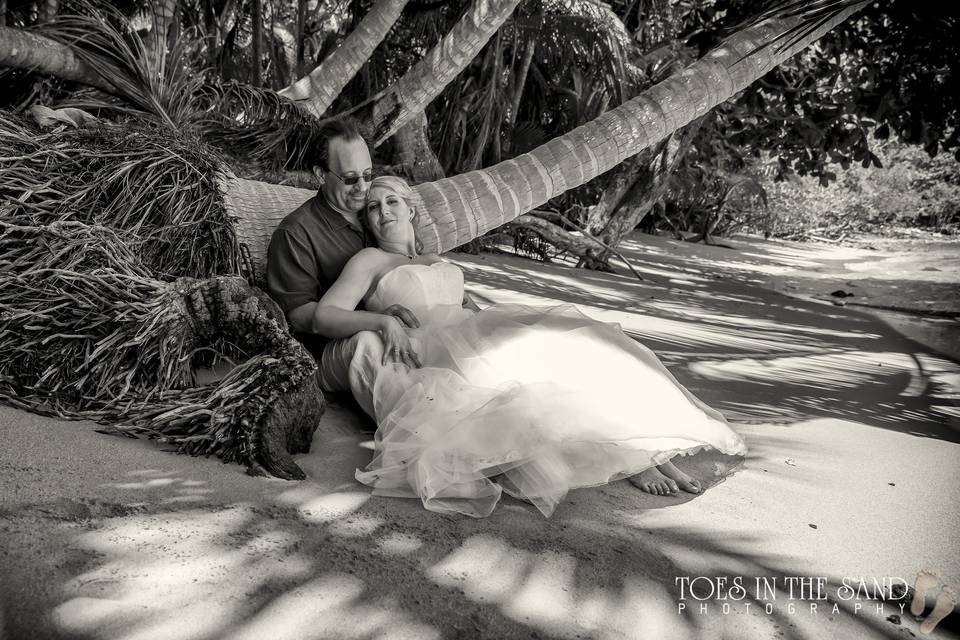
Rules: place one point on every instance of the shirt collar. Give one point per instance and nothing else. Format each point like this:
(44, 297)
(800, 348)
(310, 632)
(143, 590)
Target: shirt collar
(330, 214)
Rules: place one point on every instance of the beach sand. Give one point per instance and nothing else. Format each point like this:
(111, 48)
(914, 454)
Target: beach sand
(853, 470)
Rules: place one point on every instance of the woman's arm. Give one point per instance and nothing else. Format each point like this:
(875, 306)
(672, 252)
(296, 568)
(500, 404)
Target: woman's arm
(336, 314)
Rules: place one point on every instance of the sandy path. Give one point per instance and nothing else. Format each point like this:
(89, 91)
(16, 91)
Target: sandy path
(852, 472)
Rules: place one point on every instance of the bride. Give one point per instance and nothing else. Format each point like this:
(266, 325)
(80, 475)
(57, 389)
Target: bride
(527, 400)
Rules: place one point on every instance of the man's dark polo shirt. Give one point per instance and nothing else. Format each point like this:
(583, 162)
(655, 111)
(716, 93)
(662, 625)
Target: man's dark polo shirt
(306, 255)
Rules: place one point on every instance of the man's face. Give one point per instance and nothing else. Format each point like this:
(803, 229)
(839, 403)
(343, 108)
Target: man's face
(347, 159)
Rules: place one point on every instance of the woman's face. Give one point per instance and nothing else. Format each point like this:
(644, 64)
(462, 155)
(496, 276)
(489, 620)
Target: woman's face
(388, 215)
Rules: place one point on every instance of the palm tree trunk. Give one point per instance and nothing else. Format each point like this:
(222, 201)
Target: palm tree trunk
(301, 27)
(256, 11)
(641, 197)
(413, 151)
(457, 209)
(316, 91)
(27, 50)
(162, 14)
(518, 85)
(412, 93)
(624, 176)
(466, 206)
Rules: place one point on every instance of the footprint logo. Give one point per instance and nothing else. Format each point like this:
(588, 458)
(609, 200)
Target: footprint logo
(946, 601)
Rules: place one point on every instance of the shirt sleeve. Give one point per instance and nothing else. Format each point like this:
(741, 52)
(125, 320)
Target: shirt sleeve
(292, 277)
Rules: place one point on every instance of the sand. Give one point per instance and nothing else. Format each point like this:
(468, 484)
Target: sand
(852, 471)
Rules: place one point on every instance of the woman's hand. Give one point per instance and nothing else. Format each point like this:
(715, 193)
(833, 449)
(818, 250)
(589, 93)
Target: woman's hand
(396, 343)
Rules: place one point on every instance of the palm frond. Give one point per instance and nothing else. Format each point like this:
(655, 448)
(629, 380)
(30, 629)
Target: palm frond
(812, 13)
(255, 124)
(157, 86)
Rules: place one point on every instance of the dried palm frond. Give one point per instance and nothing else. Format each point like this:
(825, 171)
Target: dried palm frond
(256, 124)
(85, 332)
(159, 188)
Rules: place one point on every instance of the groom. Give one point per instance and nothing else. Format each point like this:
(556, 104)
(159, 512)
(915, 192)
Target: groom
(309, 249)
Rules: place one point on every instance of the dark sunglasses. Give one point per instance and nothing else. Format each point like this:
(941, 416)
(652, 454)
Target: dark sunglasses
(352, 180)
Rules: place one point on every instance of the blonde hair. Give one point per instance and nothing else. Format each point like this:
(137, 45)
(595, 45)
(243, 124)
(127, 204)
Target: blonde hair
(400, 187)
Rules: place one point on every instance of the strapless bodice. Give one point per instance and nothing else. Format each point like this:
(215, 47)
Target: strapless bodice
(433, 292)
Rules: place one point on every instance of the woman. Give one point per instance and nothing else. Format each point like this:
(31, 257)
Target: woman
(531, 401)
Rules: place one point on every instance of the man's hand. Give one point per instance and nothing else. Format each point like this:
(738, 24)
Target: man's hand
(403, 314)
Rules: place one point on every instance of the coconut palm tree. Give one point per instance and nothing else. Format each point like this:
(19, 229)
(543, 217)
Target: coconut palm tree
(317, 90)
(460, 208)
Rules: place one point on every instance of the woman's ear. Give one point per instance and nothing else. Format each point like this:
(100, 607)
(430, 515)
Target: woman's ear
(318, 172)
(413, 213)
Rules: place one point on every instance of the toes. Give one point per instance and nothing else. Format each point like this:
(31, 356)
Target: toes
(673, 486)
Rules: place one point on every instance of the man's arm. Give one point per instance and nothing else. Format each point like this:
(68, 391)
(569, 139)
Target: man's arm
(292, 277)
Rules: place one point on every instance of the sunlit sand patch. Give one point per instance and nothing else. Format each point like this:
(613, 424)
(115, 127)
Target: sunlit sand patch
(842, 369)
(332, 506)
(179, 575)
(330, 606)
(146, 484)
(398, 544)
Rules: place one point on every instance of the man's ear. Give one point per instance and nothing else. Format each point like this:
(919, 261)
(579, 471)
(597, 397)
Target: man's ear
(318, 171)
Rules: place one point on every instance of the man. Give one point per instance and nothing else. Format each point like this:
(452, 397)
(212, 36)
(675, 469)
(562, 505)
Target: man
(309, 250)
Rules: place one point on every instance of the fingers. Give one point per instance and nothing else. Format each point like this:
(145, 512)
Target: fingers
(404, 356)
(410, 359)
(408, 318)
(405, 315)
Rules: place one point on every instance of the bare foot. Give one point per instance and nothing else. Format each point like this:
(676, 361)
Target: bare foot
(688, 484)
(924, 582)
(652, 481)
(945, 604)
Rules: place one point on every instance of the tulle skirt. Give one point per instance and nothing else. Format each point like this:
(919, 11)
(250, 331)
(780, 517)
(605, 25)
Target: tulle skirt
(531, 401)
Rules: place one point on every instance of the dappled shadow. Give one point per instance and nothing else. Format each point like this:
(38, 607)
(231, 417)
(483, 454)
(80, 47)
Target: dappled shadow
(754, 354)
(176, 558)
(320, 563)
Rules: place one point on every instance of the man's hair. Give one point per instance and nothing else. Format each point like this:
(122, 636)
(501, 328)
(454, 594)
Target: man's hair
(319, 152)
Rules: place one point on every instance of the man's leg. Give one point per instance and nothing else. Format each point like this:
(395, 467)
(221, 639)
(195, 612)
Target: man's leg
(351, 364)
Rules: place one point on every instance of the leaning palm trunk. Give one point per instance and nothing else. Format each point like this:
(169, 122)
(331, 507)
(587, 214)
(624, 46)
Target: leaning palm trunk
(411, 94)
(316, 91)
(25, 50)
(458, 209)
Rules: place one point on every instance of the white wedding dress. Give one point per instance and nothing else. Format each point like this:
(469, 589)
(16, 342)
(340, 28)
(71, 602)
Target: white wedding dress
(531, 401)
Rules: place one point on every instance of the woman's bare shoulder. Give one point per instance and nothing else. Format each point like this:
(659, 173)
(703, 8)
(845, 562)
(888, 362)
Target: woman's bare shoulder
(368, 258)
